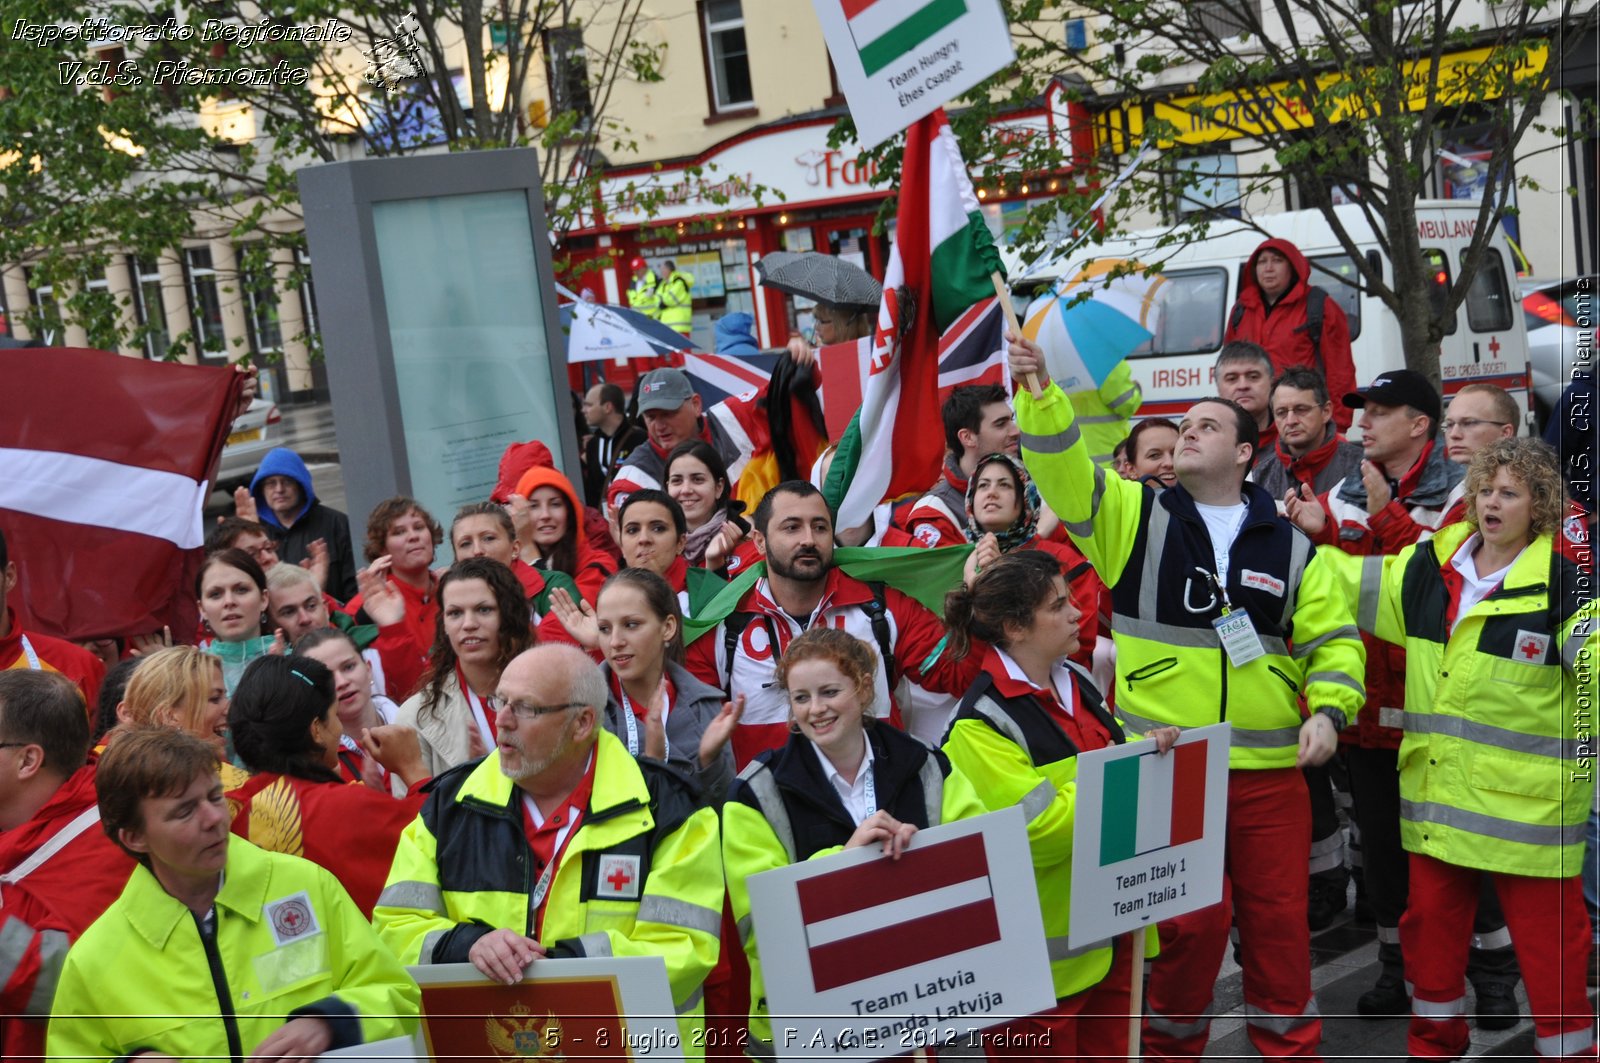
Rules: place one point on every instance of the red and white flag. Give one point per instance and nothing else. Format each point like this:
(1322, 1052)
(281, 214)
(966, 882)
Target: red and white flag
(883, 916)
(106, 466)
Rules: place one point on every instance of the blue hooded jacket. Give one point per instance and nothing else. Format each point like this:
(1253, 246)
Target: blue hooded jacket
(313, 521)
(735, 334)
(281, 461)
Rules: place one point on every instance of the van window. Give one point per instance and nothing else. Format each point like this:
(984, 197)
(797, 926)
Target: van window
(1489, 297)
(1337, 275)
(1439, 287)
(1191, 308)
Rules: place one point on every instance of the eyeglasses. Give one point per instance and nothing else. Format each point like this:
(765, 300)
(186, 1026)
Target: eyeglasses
(1283, 412)
(1467, 424)
(524, 711)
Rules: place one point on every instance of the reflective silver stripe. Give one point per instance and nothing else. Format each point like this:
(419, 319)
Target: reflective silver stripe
(1389, 716)
(1281, 1024)
(1388, 935)
(419, 896)
(15, 937)
(1057, 443)
(1060, 950)
(670, 911)
(1306, 649)
(1338, 679)
(1085, 528)
(1097, 418)
(745, 927)
(430, 941)
(1494, 939)
(1370, 594)
(1036, 800)
(693, 1001)
(53, 945)
(1001, 721)
(1491, 826)
(765, 787)
(1573, 644)
(1487, 734)
(1138, 724)
(1132, 393)
(1561, 1045)
(1327, 853)
(1172, 1028)
(1299, 554)
(1438, 1010)
(1150, 572)
(596, 944)
(932, 789)
(1204, 638)
(1267, 738)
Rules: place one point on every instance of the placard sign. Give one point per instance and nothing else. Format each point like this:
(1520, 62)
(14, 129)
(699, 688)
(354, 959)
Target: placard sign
(1148, 840)
(867, 956)
(603, 1008)
(898, 60)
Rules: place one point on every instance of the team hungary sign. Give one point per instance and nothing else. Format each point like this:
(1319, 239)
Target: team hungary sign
(898, 60)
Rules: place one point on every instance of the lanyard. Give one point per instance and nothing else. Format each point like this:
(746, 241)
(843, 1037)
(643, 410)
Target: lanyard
(871, 786)
(28, 652)
(480, 712)
(542, 887)
(632, 723)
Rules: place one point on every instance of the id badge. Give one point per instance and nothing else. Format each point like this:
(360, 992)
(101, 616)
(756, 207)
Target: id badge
(1239, 638)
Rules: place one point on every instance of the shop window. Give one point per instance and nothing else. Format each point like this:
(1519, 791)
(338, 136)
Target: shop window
(1337, 275)
(205, 304)
(1489, 296)
(1439, 289)
(727, 57)
(1190, 309)
(1207, 184)
(567, 72)
(151, 309)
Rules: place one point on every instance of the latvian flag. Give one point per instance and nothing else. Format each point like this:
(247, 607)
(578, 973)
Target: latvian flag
(887, 915)
(887, 31)
(1153, 802)
(106, 461)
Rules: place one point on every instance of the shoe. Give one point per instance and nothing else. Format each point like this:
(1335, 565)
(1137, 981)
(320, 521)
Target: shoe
(1497, 1006)
(1326, 902)
(1384, 1000)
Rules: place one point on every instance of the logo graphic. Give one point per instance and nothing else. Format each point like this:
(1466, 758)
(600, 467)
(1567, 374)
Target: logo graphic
(886, 31)
(392, 60)
(521, 1035)
(1530, 647)
(619, 877)
(292, 918)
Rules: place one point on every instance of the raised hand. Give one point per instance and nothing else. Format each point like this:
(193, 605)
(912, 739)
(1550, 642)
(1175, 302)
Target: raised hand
(1304, 510)
(719, 730)
(380, 598)
(244, 504)
(577, 617)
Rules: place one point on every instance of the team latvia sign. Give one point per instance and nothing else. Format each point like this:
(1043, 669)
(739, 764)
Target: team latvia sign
(866, 955)
(1147, 843)
(899, 60)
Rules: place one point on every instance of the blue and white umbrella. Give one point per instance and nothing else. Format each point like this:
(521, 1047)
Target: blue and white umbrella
(599, 332)
(1084, 338)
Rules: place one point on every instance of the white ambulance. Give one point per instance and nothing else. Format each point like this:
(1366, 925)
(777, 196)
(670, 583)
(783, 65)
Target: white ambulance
(1188, 313)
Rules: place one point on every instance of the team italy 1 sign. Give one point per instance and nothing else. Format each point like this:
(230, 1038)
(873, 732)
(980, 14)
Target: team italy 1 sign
(898, 60)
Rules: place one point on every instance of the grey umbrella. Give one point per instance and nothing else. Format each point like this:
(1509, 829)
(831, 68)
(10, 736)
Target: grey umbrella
(821, 277)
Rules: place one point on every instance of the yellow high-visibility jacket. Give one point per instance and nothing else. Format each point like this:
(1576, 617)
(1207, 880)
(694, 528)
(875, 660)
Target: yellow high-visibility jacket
(677, 304)
(290, 941)
(1497, 759)
(1154, 552)
(463, 868)
(1104, 415)
(644, 297)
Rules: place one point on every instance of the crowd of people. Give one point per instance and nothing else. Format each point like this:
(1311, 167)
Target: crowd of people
(625, 697)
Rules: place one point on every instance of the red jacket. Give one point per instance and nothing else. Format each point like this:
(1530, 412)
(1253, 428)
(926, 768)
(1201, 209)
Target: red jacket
(55, 655)
(41, 915)
(348, 828)
(1280, 328)
(916, 637)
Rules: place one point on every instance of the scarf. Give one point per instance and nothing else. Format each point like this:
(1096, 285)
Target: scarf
(694, 545)
(1022, 528)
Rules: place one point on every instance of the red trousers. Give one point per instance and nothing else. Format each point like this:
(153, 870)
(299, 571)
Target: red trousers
(1550, 931)
(1264, 891)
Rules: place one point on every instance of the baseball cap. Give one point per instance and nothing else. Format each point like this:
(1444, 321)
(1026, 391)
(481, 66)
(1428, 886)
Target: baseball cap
(664, 389)
(1399, 387)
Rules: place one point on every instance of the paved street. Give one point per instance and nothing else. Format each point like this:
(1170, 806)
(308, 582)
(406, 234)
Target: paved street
(309, 431)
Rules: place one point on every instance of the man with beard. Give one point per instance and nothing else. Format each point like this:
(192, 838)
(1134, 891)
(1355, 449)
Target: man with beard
(802, 588)
(556, 831)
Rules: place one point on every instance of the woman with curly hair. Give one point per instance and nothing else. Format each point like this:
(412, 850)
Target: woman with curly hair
(399, 589)
(483, 623)
(1499, 632)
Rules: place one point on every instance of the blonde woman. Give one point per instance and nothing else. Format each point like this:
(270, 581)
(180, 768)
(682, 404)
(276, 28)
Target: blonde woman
(181, 687)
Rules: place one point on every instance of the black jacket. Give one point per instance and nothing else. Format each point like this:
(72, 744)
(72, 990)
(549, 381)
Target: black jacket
(598, 472)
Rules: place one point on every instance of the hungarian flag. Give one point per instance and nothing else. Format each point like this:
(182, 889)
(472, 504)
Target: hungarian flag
(1153, 802)
(887, 915)
(943, 258)
(888, 31)
(106, 463)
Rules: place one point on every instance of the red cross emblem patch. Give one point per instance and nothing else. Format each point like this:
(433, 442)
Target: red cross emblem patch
(292, 918)
(619, 877)
(1530, 648)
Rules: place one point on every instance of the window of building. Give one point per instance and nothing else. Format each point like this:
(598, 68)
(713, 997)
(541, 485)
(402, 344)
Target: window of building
(205, 304)
(1207, 184)
(151, 309)
(5, 314)
(45, 313)
(566, 69)
(727, 58)
(1225, 18)
(261, 306)
(308, 295)
(99, 317)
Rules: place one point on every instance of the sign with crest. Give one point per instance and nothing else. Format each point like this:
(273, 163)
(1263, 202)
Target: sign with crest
(565, 1009)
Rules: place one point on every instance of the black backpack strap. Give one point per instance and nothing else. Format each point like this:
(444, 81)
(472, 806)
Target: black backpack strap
(878, 613)
(1316, 307)
(732, 628)
(1235, 316)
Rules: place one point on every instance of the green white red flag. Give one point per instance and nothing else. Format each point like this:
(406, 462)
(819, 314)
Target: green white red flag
(943, 256)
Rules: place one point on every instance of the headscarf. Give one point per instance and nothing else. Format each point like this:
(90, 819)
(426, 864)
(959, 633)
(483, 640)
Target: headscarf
(1027, 521)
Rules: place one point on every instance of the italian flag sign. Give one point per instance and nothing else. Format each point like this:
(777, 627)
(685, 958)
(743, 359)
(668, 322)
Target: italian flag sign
(941, 263)
(1153, 803)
